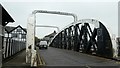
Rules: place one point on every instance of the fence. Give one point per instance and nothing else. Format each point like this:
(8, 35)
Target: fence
(14, 41)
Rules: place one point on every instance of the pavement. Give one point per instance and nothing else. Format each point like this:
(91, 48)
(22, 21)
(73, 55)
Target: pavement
(18, 61)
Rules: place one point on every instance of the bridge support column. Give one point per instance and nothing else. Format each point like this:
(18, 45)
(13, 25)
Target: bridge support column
(30, 46)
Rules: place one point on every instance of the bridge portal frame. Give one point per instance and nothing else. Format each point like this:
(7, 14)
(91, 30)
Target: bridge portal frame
(49, 26)
(30, 46)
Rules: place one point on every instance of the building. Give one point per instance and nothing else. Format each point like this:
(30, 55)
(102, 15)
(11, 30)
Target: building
(49, 37)
(14, 40)
(15, 32)
(5, 18)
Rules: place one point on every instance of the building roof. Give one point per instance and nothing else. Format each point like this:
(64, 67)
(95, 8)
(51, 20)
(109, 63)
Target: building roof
(51, 35)
(11, 28)
(6, 18)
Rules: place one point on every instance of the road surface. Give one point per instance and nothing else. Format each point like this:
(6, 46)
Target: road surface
(62, 57)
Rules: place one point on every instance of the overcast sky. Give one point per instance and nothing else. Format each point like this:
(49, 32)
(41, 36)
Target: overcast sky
(105, 11)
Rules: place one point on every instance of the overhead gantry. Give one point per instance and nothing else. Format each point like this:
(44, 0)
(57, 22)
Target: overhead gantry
(31, 25)
(49, 27)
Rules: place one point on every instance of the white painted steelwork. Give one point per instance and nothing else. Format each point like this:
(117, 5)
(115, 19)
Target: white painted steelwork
(48, 26)
(56, 12)
(30, 46)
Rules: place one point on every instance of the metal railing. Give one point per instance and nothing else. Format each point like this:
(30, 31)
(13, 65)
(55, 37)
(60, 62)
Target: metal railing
(12, 47)
(13, 42)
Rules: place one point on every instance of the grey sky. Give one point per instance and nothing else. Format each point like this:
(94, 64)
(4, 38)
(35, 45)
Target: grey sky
(106, 12)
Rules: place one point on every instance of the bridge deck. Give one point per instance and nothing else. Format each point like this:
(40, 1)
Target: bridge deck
(61, 57)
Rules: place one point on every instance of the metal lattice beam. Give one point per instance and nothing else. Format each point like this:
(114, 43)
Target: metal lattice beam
(97, 40)
(56, 12)
(48, 26)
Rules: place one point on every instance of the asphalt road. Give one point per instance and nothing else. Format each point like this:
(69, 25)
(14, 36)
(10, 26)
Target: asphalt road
(61, 57)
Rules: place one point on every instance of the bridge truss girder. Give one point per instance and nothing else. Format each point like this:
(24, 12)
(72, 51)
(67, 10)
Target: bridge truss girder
(80, 37)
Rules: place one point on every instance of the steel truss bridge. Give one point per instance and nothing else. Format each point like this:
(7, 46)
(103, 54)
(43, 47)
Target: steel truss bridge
(80, 37)
(87, 36)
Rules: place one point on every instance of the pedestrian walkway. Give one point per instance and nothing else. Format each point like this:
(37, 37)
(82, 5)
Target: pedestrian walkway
(18, 61)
